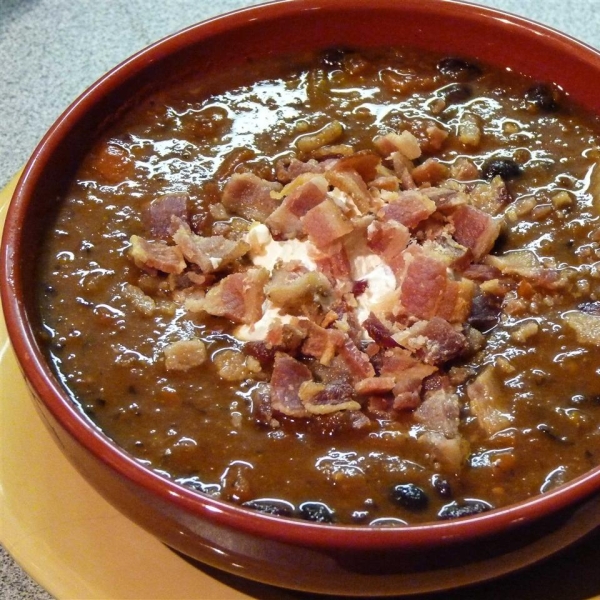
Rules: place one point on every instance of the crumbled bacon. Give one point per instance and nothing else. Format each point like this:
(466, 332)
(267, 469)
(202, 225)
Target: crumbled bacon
(388, 240)
(435, 342)
(431, 171)
(249, 196)
(364, 163)
(157, 255)
(410, 208)
(476, 230)
(158, 215)
(374, 385)
(284, 221)
(484, 402)
(288, 375)
(429, 224)
(295, 287)
(288, 171)
(379, 332)
(212, 253)
(351, 183)
(238, 297)
(358, 362)
(405, 143)
(325, 224)
(321, 343)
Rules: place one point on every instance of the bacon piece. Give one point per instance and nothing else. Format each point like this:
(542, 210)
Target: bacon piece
(435, 138)
(148, 254)
(431, 171)
(422, 284)
(490, 197)
(325, 223)
(379, 332)
(292, 287)
(264, 354)
(440, 412)
(456, 300)
(321, 343)
(358, 362)
(363, 162)
(374, 385)
(212, 253)
(409, 385)
(410, 208)
(249, 196)
(352, 184)
(324, 399)
(525, 263)
(388, 183)
(485, 402)
(435, 342)
(158, 215)
(446, 199)
(402, 168)
(288, 375)
(287, 171)
(476, 230)
(286, 337)
(380, 406)
(388, 240)
(451, 453)
(395, 361)
(284, 221)
(238, 297)
(408, 373)
(185, 354)
(481, 272)
(405, 143)
(335, 264)
(464, 169)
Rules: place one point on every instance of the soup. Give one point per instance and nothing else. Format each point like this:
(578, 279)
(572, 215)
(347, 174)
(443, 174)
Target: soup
(354, 288)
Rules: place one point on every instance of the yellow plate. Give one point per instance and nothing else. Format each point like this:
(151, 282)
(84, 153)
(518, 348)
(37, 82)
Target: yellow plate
(77, 546)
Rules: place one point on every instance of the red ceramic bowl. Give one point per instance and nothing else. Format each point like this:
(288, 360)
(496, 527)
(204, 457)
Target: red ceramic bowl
(307, 556)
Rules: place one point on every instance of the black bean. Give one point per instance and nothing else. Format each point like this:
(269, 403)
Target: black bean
(333, 57)
(507, 168)
(456, 93)
(316, 511)
(551, 433)
(590, 308)
(441, 486)
(410, 496)
(271, 507)
(485, 311)
(544, 96)
(456, 510)
(458, 68)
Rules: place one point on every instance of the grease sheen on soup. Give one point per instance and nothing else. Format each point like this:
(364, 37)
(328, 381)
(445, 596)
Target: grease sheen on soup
(518, 393)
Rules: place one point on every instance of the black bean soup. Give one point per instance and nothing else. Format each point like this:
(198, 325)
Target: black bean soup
(353, 288)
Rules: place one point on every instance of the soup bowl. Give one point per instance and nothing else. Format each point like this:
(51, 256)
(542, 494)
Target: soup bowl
(334, 559)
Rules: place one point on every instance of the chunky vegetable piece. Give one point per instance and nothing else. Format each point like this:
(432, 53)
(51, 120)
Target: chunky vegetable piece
(360, 288)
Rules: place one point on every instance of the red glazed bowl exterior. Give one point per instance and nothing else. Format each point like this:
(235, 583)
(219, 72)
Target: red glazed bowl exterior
(290, 553)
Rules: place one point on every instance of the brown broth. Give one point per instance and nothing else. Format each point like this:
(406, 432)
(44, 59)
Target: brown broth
(200, 430)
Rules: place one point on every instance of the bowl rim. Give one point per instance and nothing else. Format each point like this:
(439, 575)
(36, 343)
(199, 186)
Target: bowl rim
(56, 400)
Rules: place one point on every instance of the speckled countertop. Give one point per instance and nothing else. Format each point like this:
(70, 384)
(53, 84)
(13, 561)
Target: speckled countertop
(51, 50)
